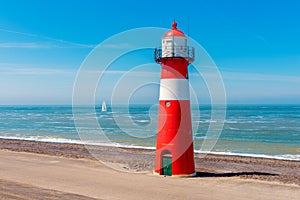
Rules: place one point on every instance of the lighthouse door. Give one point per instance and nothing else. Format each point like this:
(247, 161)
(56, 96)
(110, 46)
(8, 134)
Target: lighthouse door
(167, 166)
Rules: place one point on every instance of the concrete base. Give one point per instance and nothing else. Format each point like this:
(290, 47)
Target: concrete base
(178, 176)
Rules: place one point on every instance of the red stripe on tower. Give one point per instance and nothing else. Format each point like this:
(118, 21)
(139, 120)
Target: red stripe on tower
(174, 143)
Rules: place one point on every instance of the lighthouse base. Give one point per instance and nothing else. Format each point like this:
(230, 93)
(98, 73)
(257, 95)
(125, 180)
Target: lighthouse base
(177, 176)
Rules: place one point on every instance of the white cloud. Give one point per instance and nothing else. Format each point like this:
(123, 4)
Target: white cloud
(18, 32)
(26, 45)
(55, 43)
(15, 70)
(118, 46)
(258, 77)
(245, 76)
(34, 45)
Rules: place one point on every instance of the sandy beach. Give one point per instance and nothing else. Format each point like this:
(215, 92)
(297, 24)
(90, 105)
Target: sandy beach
(37, 170)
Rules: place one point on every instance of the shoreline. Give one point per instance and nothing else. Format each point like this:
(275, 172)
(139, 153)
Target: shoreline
(141, 160)
(75, 142)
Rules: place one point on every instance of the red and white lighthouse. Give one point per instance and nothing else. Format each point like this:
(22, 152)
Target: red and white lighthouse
(174, 142)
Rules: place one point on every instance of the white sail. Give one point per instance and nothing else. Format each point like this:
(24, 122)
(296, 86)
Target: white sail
(103, 106)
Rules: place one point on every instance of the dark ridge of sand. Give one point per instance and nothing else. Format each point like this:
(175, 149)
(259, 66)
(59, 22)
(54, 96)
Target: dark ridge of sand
(8, 192)
(264, 169)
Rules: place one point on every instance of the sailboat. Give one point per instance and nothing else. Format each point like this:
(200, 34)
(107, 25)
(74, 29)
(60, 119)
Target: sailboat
(103, 106)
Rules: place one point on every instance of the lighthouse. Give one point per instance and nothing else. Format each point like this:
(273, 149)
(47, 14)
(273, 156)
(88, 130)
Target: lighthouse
(174, 142)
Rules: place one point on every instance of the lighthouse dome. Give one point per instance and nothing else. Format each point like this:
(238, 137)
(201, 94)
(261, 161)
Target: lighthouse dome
(174, 32)
(174, 43)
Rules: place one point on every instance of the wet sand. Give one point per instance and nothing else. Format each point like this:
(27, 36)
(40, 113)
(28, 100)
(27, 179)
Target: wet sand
(33, 170)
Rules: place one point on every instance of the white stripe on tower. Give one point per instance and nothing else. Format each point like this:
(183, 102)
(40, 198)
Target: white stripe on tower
(174, 89)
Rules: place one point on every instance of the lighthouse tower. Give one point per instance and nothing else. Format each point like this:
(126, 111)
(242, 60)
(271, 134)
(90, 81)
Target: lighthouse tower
(174, 143)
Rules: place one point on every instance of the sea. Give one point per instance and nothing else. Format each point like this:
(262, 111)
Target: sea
(269, 131)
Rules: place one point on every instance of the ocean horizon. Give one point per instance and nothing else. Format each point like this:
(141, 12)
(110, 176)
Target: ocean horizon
(269, 131)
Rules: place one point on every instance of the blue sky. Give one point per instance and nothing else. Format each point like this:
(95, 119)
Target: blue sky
(255, 45)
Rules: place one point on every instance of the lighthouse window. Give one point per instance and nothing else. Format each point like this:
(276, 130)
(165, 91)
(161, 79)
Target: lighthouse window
(168, 103)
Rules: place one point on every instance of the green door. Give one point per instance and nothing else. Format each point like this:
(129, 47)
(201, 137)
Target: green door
(167, 166)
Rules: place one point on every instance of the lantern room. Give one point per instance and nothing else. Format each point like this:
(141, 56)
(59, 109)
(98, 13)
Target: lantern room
(174, 43)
